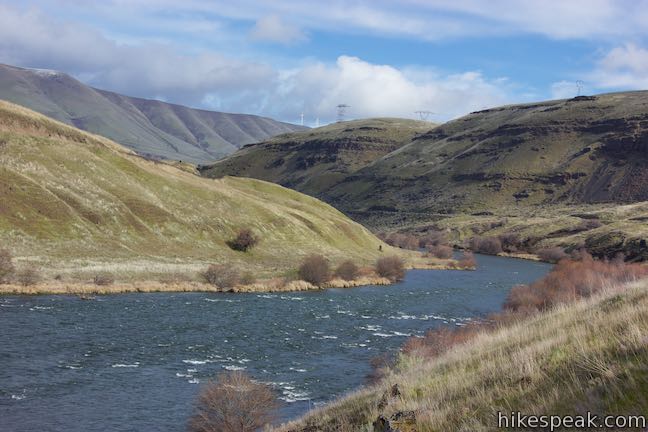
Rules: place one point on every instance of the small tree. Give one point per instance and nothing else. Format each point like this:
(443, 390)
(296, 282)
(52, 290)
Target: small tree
(244, 240)
(222, 276)
(233, 403)
(486, 245)
(391, 267)
(440, 251)
(7, 268)
(347, 271)
(315, 269)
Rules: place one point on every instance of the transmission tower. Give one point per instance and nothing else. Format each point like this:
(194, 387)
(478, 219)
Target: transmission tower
(341, 111)
(302, 118)
(579, 87)
(424, 115)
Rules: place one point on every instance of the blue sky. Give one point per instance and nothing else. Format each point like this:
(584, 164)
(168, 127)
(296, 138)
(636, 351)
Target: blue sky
(384, 58)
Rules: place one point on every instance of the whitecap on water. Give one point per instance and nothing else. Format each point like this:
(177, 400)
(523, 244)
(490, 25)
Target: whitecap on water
(194, 381)
(125, 365)
(297, 370)
(233, 368)
(195, 362)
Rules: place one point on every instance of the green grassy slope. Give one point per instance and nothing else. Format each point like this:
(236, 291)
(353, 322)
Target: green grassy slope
(583, 150)
(588, 356)
(69, 198)
(314, 160)
(151, 128)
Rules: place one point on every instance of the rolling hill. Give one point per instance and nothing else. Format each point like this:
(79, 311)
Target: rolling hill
(539, 170)
(152, 128)
(314, 160)
(72, 202)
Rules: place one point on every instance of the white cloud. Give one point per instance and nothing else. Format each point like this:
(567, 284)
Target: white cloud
(272, 28)
(623, 67)
(33, 39)
(380, 90)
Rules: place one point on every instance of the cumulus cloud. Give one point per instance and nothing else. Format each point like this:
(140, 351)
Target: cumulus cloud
(211, 80)
(374, 90)
(272, 28)
(623, 67)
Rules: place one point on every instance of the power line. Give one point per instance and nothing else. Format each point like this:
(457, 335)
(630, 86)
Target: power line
(424, 115)
(341, 111)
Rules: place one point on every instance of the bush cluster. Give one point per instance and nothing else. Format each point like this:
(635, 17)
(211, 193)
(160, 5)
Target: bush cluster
(221, 276)
(440, 251)
(244, 240)
(347, 271)
(315, 269)
(103, 279)
(486, 245)
(391, 267)
(7, 268)
(233, 403)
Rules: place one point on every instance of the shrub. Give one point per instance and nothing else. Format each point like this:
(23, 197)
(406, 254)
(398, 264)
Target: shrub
(103, 279)
(28, 277)
(244, 240)
(222, 276)
(588, 224)
(391, 267)
(433, 238)
(486, 245)
(315, 269)
(553, 255)
(467, 261)
(510, 242)
(440, 251)
(439, 340)
(347, 271)
(7, 268)
(403, 241)
(572, 280)
(233, 403)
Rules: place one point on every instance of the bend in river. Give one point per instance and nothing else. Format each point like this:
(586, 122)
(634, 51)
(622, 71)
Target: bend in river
(134, 361)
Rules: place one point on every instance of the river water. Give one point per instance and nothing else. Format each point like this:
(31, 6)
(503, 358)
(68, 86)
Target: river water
(134, 362)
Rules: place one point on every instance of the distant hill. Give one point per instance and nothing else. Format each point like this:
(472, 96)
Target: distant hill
(590, 149)
(70, 201)
(540, 170)
(312, 161)
(149, 127)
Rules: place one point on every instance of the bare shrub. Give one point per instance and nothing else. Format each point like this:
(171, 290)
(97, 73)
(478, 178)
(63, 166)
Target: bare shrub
(391, 267)
(552, 255)
(380, 367)
(572, 280)
(28, 276)
(220, 275)
(347, 271)
(315, 269)
(103, 279)
(439, 340)
(510, 242)
(433, 238)
(486, 245)
(440, 251)
(244, 240)
(467, 261)
(7, 268)
(233, 403)
(403, 241)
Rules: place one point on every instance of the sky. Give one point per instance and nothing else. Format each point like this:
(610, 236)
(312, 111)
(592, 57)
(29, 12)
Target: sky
(282, 58)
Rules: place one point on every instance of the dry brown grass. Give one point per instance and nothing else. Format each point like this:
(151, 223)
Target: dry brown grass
(588, 355)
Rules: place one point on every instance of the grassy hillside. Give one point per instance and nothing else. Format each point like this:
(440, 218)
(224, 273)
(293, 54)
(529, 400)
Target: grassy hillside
(540, 170)
(152, 128)
(314, 160)
(71, 201)
(582, 150)
(588, 356)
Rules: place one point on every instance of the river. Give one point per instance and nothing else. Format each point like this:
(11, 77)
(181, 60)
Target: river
(134, 362)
